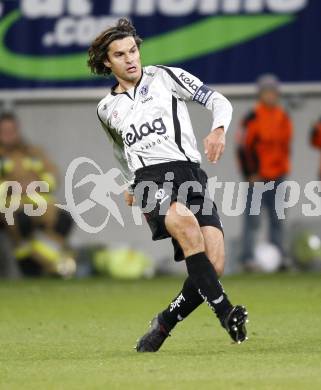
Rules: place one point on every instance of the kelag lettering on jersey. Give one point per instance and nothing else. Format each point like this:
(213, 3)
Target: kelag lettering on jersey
(144, 130)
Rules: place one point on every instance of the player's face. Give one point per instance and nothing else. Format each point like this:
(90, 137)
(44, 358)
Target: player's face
(9, 133)
(269, 97)
(124, 59)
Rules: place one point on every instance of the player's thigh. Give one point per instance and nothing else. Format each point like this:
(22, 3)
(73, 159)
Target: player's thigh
(214, 247)
(182, 225)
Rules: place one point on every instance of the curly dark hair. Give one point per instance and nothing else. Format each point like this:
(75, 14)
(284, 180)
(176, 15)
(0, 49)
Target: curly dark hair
(98, 50)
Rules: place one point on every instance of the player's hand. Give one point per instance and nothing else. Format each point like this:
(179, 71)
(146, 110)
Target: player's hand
(129, 198)
(214, 144)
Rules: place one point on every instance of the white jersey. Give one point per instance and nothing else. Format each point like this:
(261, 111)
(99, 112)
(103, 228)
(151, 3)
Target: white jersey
(150, 124)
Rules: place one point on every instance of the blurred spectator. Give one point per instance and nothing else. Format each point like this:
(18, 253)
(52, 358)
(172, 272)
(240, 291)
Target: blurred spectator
(39, 242)
(315, 139)
(264, 141)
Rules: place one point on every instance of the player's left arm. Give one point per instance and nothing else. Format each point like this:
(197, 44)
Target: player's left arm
(190, 88)
(214, 143)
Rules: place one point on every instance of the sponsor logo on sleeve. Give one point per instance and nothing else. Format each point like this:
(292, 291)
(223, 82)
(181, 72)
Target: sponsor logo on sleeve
(188, 81)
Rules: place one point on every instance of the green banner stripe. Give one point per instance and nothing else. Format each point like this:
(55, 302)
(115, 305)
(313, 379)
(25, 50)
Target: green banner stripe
(206, 36)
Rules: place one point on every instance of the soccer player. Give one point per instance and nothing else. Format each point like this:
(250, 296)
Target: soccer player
(146, 119)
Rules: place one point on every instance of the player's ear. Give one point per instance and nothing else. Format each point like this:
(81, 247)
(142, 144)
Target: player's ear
(107, 63)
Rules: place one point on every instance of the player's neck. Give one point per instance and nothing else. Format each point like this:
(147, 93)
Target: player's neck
(125, 85)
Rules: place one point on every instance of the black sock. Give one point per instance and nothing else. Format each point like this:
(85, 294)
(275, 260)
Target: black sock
(185, 302)
(205, 279)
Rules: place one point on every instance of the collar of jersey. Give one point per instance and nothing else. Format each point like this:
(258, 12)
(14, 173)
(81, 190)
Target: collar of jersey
(114, 93)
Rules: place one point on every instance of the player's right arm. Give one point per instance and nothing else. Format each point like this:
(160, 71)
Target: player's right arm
(119, 153)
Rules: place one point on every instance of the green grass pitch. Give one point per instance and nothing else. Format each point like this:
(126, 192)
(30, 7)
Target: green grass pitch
(80, 334)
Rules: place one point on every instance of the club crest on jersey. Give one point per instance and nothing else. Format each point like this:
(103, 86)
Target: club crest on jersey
(138, 133)
(143, 91)
(188, 81)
